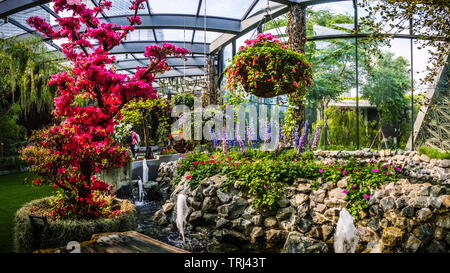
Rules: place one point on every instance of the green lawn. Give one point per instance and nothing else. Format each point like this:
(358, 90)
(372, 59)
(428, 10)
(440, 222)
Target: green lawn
(13, 194)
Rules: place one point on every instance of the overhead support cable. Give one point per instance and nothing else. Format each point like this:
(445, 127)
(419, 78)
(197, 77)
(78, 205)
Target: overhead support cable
(252, 6)
(199, 7)
(50, 11)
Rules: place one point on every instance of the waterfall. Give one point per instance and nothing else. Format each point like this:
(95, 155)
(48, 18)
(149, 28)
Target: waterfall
(346, 236)
(182, 211)
(144, 171)
(141, 193)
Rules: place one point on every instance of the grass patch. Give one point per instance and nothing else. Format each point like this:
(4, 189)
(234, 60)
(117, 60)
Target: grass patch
(434, 153)
(14, 193)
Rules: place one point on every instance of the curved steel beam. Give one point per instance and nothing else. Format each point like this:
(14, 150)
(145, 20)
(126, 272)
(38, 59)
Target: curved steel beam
(197, 61)
(178, 73)
(10, 7)
(182, 21)
(139, 46)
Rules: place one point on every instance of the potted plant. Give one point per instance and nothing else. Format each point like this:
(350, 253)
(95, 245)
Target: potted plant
(266, 68)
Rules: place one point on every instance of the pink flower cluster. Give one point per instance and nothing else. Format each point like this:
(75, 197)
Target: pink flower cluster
(262, 38)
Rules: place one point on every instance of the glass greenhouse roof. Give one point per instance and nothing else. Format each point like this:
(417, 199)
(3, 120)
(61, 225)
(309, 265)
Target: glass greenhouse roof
(201, 26)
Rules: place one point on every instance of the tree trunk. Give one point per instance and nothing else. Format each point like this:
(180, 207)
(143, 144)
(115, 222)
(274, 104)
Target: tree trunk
(86, 171)
(209, 94)
(148, 150)
(296, 31)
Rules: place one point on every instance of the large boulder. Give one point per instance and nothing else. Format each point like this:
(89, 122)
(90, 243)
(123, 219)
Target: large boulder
(298, 243)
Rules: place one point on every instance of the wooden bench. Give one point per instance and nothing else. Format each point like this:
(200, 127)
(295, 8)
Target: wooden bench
(118, 242)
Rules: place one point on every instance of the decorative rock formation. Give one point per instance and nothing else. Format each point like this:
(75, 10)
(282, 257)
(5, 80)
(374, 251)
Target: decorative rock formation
(409, 215)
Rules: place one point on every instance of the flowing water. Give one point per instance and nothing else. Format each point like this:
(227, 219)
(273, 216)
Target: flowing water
(182, 211)
(346, 236)
(141, 193)
(147, 226)
(144, 171)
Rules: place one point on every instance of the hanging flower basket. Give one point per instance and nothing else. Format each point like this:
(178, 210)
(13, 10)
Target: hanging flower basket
(266, 68)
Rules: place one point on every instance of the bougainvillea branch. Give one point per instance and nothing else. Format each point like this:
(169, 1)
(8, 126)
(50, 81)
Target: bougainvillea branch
(88, 103)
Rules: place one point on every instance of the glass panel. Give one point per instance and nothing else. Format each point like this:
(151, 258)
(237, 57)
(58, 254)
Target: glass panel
(330, 18)
(121, 7)
(174, 6)
(174, 35)
(121, 57)
(422, 65)
(241, 40)
(333, 96)
(141, 35)
(49, 47)
(230, 8)
(387, 27)
(259, 7)
(227, 55)
(139, 56)
(210, 36)
(23, 16)
(9, 30)
(386, 88)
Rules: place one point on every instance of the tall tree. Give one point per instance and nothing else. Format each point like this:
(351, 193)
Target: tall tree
(25, 98)
(296, 31)
(153, 116)
(386, 87)
(428, 19)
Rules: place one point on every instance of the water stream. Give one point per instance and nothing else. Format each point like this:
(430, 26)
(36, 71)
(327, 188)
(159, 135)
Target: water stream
(346, 236)
(182, 211)
(147, 226)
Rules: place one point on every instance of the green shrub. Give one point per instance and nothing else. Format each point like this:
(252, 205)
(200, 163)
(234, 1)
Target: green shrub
(183, 99)
(59, 232)
(434, 153)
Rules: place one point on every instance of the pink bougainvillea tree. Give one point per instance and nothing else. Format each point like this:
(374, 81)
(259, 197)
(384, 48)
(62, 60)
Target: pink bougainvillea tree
(71, 154)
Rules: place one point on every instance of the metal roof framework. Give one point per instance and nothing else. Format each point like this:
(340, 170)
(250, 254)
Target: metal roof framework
(220, 30)
(164, 23)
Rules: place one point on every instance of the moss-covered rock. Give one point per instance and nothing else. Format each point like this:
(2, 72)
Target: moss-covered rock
(57, 233)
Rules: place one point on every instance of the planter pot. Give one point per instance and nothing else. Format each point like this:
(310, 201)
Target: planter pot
(54, 234)
(265, 89)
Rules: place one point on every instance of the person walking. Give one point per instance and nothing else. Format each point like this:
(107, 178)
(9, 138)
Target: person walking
(133, 140)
